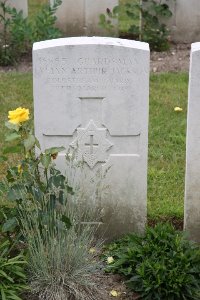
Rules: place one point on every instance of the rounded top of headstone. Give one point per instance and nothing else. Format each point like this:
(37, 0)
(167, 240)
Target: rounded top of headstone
(195, 46)
(73, 41)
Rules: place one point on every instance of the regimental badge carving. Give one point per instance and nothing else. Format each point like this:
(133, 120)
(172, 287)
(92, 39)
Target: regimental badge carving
(92, 144)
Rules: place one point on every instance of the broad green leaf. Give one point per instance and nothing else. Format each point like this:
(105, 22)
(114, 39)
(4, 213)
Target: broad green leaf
(12, 126)
(9, 225)
(57, 181)
(15, 192)
(45, 160)
(102, 18)
(29, 142)
(66, 221)
(54, 150)
(11, 137)
(116, 9)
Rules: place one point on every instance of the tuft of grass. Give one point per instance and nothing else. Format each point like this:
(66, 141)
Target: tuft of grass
(167, 133)
(61, 264)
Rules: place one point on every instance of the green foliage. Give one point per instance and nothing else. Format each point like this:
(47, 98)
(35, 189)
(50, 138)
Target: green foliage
(146, 21)
(162, 264)
(43, 25)
(34, 182)
(48, 216)
(12, 273)
(60, 265)
(14, 33)
(18, 33)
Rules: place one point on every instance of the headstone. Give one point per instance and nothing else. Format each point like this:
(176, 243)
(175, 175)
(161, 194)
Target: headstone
(19, 5)
(93, 93)
(81, 17)
(192, 185)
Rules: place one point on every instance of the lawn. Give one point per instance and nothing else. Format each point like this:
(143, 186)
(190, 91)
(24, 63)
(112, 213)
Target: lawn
(166, 166)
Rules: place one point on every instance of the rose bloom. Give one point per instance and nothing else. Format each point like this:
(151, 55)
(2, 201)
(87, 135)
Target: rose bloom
(18, 115)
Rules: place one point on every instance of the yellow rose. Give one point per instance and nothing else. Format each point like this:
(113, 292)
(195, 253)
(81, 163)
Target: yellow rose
(18, 115)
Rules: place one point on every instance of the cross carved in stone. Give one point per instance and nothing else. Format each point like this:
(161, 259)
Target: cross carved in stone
(95, 150)
(91, 144)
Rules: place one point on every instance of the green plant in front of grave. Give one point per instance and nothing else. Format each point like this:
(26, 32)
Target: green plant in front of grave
(12, 273)
(61, 262)
(47, 216)
(33, 181)
(162, 264)
(144, 19)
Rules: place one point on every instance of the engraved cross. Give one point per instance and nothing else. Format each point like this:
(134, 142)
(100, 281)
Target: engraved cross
(91, 144)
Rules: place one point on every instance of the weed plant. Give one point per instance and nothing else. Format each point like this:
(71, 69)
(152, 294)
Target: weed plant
(162, 264)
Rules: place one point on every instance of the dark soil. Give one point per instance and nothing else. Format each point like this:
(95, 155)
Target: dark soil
(174, 60)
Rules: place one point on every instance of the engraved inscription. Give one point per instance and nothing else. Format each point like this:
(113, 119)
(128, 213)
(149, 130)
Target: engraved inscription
(91, 144)
(84, 73)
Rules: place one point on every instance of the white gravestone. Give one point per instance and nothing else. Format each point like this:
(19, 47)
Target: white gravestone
(192, 185)
(81, 17)
(93, 92)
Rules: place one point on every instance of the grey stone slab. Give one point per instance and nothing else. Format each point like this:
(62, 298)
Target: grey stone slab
(93, 92)
(81, 17)
(192, 182)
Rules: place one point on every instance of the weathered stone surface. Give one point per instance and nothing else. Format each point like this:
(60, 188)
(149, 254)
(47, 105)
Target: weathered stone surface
(185, 22)
(93, 93)
(192, 185)
(81, 17)
(20, 5)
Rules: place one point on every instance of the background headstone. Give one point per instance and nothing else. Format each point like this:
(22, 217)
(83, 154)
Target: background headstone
(19, 5)
(192, 185)
(185, 22)
(93, 92)
(81, 17)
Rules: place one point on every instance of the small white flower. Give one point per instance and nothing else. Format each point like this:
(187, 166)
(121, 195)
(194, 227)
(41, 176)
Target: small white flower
(110, 260)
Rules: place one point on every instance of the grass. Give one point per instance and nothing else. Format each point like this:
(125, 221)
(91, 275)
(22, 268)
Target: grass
(166, 166)
(167, 130)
